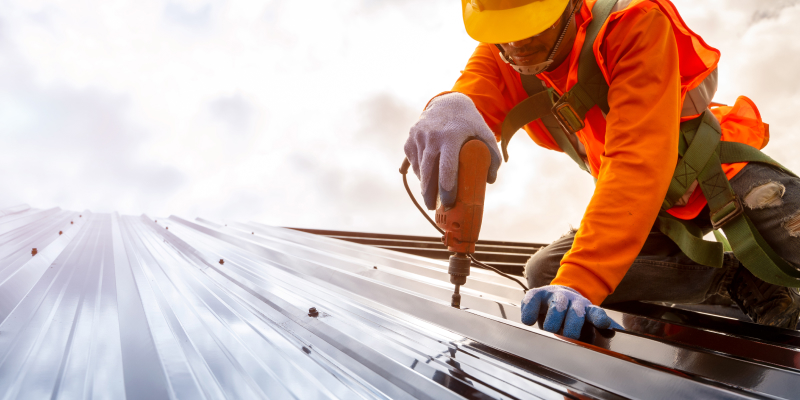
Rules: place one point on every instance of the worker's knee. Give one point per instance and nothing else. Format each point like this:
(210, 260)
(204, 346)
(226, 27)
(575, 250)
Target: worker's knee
(542, 267)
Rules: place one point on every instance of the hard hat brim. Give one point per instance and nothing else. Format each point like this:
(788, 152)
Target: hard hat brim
(512, 24)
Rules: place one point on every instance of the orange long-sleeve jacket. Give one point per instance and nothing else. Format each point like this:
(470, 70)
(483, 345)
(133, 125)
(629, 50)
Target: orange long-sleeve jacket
(650, 59)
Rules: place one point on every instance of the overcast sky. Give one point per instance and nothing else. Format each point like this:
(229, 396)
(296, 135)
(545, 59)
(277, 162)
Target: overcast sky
(294, 113)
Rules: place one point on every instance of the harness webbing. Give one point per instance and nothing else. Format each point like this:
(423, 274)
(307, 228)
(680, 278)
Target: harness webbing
(733, 152)
(542, 102)
(701, 148)
(538, 105)
(701, 153)
(689, 239)
(727, 213)
(592, 88)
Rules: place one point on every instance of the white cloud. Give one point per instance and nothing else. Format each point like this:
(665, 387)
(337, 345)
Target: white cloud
(194, 16)
(233, 111)
(760, 57)
(294, 113)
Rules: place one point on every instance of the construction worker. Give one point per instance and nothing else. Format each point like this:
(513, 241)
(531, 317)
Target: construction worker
(624, 88)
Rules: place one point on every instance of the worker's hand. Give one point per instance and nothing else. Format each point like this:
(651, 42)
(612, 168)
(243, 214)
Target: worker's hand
(435, 141)
(561, 302)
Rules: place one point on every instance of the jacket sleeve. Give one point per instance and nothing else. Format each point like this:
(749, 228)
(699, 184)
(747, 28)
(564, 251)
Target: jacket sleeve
(493, 88)
(639, 154)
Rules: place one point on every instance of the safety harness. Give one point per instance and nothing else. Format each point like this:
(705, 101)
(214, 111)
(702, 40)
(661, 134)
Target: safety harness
(701, 153)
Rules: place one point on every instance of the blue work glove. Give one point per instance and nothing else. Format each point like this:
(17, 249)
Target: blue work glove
(561, 302)
(435, 141)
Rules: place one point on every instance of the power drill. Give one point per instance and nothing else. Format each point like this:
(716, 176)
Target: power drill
(461, 223)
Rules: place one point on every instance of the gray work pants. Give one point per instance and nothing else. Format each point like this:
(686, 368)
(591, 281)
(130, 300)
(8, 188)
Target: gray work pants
(663, 273)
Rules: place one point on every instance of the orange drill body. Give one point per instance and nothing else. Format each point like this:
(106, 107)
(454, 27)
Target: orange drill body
(462, 222)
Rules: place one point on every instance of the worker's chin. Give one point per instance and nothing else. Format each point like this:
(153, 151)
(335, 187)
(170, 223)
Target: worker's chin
(528, 61)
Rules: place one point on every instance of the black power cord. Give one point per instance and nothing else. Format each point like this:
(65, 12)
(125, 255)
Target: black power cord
(404, 171)
(489, 267)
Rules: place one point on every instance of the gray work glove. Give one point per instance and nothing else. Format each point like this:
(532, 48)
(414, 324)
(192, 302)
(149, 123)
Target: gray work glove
(435, 141)
(561, 305)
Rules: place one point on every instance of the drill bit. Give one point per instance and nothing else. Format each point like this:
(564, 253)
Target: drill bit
(456, 301)
(458, 270)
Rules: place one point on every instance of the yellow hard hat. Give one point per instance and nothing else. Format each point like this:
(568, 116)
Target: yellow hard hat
(504, 21)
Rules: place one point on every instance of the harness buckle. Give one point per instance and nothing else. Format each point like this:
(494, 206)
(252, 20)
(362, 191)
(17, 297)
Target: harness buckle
(725, 214)
(567, 117)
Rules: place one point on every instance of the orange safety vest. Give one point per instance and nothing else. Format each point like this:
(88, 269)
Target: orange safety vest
(615, 227)
(740, 123)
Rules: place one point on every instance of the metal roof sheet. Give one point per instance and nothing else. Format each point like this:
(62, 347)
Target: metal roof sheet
(131, 307)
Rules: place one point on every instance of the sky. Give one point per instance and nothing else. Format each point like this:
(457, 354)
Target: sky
(295, 113)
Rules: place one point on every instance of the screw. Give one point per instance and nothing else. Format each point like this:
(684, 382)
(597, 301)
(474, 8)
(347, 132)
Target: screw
(312, 312)
(375, 267)
(167, 228)
(252, 233)
(34, 251)
(221, 261)
(71, 222)
(80, 216)
(59, 232)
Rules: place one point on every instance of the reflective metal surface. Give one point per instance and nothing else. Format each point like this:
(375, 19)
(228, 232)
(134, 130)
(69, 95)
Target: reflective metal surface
(127, 307)
(508, 257)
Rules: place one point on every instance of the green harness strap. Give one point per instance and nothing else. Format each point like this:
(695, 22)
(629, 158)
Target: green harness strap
(702, 155)
(701, 152)
(569, 111)
(702, 135)
(733, 152)
(689, 238)
(727, 213)
(592, 88)
(749, 247)
(538, 106)
(726, 246)
(699, 139)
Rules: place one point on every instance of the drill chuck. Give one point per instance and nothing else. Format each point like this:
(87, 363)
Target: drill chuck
(459, 268)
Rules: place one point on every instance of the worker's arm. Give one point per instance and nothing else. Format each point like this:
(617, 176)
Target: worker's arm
(640, 153)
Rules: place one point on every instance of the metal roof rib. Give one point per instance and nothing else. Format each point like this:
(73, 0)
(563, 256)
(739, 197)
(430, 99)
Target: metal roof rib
(14, 210)
(122, 307)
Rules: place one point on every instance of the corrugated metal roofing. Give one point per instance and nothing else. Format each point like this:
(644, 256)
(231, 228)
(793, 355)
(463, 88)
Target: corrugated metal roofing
(132, 307)
(508, 257)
